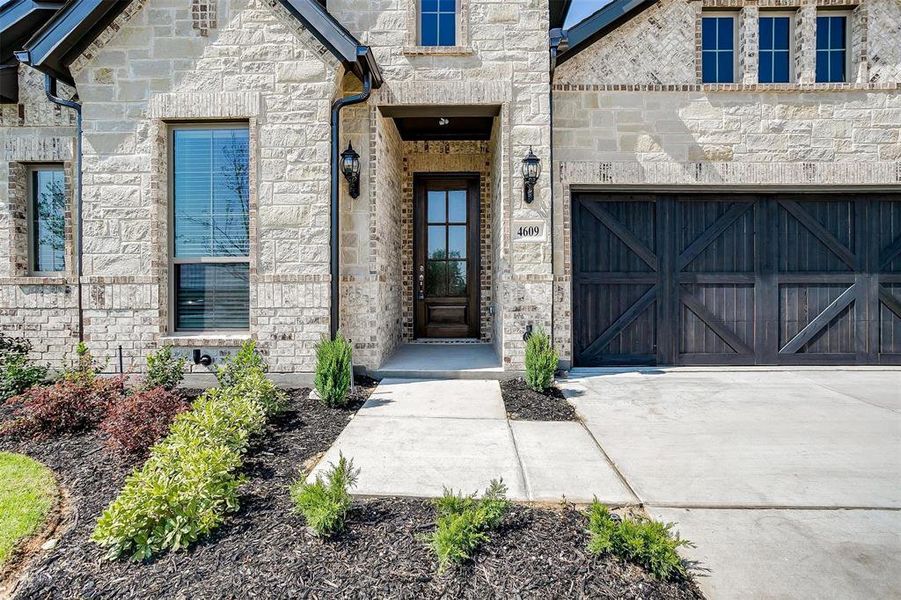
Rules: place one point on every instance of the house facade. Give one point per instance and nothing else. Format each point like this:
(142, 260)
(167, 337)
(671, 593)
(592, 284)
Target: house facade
(666, 182)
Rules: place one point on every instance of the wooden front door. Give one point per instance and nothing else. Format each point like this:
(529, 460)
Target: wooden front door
(446, 256)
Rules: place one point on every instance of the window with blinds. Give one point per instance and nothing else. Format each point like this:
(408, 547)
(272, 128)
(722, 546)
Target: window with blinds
(210, 227)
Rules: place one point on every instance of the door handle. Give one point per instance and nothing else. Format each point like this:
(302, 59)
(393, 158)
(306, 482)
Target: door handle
(421, 282)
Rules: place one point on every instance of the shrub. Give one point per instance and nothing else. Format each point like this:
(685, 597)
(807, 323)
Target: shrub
(64, 407)
(324, 503)
(646, 542)
(82, 369)
(541, 361)
(164, 370)
(141, 419)
(464, 522)
(17, 372)
(245, 360)
(333, 371)
(190, 482)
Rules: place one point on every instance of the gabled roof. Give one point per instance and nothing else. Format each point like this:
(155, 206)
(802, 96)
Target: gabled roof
(558, 10)
(53, 48)
(589, 30)
(19, 19)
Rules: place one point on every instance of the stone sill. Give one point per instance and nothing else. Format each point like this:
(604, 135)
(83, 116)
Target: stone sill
(727, 87)
(437, 50)
(207, 339)
(37, 280)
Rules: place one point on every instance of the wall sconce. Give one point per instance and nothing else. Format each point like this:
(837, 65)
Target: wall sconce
(350, 166)
(531, 169)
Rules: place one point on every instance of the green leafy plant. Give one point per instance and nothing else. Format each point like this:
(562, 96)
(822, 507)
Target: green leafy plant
(164, 369)
(333, 371)
(325, 502)
(541, 361)
(190, 482)
(82, 368)
(464, 522)
(17, 372)
(246, 360)
(644, 541)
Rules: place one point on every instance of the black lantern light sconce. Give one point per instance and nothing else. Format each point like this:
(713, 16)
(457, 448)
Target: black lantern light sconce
(350, 166)
(531, 170)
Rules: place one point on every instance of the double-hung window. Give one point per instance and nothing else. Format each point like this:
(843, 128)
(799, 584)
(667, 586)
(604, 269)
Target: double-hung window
(438, 22)
(210, 227)
(46, 213)
(832, 48)
(718, 44)
(775, 48)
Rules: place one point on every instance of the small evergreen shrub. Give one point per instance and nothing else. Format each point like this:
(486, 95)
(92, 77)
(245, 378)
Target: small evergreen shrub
(464, 522)
(62, 408)
(138, 421)
(646, 542)
(190, 482)
(235, 367)
(541, 361)
(333, 371)
(164, 370)
(82, 368)
(17, 372)
(325, 502)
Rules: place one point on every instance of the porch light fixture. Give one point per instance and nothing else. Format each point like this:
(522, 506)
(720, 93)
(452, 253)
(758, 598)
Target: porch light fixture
(531, 169)
(350, 166)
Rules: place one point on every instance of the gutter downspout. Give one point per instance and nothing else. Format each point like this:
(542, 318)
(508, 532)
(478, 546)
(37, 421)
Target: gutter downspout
(335, 252)
(50, 89)
(557, 39)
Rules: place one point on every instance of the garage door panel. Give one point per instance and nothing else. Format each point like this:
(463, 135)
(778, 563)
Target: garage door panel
(739, 279)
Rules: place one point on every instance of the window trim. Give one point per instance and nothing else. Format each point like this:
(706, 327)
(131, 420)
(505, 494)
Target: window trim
(824, 12)
(172, 127)
(30, 170)
(792, 50)
(457, 25)
(734, 15)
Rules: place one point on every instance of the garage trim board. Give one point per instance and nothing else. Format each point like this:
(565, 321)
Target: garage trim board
(736, 279)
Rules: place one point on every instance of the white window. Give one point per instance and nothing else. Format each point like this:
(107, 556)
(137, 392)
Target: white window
(210, 244)
(719, 47)
(833, 58)
(46, 212)
(776, 35)
(438, 22)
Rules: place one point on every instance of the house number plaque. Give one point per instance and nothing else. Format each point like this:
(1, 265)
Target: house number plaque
(528, 231)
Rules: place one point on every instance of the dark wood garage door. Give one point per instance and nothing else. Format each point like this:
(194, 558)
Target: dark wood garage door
(736, 279)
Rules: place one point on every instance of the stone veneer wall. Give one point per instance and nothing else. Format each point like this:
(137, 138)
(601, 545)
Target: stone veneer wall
(449, 157)
(252, 63)
(42, 309)
(503, 61)
(622, 121)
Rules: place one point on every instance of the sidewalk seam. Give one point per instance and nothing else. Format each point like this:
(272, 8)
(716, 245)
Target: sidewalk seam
(612, 464)
(522, 469)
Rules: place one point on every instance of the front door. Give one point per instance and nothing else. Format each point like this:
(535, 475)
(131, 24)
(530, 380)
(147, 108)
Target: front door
(446, 251)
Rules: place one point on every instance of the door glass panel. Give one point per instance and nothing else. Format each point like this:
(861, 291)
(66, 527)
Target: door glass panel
(436, 278)
(437, 206)
(456, 278)
(456, 241)
(437, 244)
(456, 206)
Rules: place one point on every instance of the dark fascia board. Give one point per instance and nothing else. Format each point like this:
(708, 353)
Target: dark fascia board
(79, 22)
(585, 32)
(19, 19)
(558, 11)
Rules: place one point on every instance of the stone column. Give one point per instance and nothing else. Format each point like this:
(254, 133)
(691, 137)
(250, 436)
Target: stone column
(806, 43)
(748, 45)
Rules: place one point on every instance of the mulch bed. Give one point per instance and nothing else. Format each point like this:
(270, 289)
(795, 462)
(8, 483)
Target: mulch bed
(265, 551)
(525, 404)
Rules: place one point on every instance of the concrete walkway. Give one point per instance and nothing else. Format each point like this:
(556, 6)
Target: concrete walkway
(788, 481)
(413, 437)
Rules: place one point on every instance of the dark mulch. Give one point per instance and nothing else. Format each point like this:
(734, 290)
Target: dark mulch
(525, 404)
(264, 550)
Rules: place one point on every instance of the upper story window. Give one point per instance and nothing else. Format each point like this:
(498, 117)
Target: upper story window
(47, 219)
(775, 49)
(438, 23)
(832, 48)
(718, 44)
(211, 227)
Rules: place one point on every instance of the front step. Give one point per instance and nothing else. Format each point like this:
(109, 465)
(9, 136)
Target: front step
(443, 361)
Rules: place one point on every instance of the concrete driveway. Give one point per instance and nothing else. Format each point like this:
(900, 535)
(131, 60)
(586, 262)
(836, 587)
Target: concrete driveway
(788, 481)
